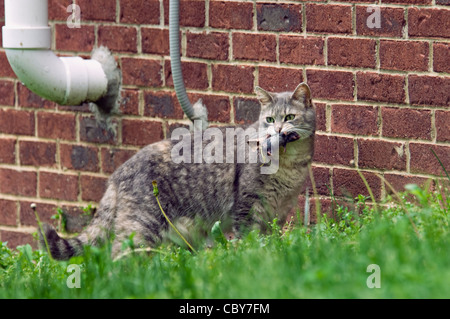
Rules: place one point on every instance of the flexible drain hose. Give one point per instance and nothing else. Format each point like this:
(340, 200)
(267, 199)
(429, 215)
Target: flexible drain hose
(175, 61)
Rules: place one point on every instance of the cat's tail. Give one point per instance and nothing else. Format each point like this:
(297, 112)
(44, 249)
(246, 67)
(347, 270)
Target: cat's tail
(58, 247)
(96, 232)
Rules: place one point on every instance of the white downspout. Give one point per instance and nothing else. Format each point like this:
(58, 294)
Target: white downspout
(27, 43)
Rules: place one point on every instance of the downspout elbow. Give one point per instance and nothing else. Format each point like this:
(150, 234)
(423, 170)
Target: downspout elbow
(27, 42)
(66, 81)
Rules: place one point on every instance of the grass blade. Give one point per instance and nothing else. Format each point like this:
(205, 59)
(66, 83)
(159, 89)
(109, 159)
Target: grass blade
(156, 193)
(442, 165)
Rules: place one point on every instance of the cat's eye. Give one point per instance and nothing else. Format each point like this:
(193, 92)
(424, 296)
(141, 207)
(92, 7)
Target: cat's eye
(270, 119)
(289, 117)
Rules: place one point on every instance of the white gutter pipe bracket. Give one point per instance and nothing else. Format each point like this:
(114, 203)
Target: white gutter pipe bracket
(27, 43)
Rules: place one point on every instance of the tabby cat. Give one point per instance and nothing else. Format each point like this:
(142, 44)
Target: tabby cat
(237, 193)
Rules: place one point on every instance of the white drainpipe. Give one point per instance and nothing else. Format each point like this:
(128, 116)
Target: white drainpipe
(27, 42)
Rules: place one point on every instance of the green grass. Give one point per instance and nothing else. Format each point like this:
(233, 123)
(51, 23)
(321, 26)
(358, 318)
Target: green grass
(408, 238)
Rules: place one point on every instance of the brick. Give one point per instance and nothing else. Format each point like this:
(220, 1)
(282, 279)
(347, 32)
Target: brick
(230, 15)
(443, 126)
(58, 186)
(141, 72)
(56, 125)
(328, 18)
(279, 79)
(100, 10)
(155, 41)
(8, 216)
(352, 52)
(232, 78)
(162, 104)
(348, 183)
(392, 22)
(380, 87)
(333, 150)
(195, 75)
(257, 47)
(28, 98)
(82, 158)
(5, 68)
(423, 160)
(57, 9)
(118, 38)
(218, 106)
(424, 22)
(192, 13)
(213, 45)
(301, 50)
(16, 122)
(92, 188)
(279, 17)
(129, 103)
(406, 123)
(7, 93)
(398, 182)
(441, 56)
(335, 85)
(112, 158)
(139, 11)
(321, 116)
(322, 182)
(15, 238)
(37, 153)
(404, 55)
(246, 111)
(171, 127)
(90, 131)
(7, 150)
(140, 133)
(381, 155)
(354, 119)
(14, 182)
(74, 39)
(443, 2)
(429, 90)
(45, 211)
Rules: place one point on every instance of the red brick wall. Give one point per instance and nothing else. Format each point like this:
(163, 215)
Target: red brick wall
(382, 95)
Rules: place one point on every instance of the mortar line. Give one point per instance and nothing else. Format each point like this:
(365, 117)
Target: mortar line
(430, 56)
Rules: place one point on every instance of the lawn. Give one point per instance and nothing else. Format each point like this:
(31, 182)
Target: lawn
(397, 249)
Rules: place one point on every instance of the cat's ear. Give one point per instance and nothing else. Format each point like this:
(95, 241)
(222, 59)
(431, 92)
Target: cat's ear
(302, 94)
(264, 97)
